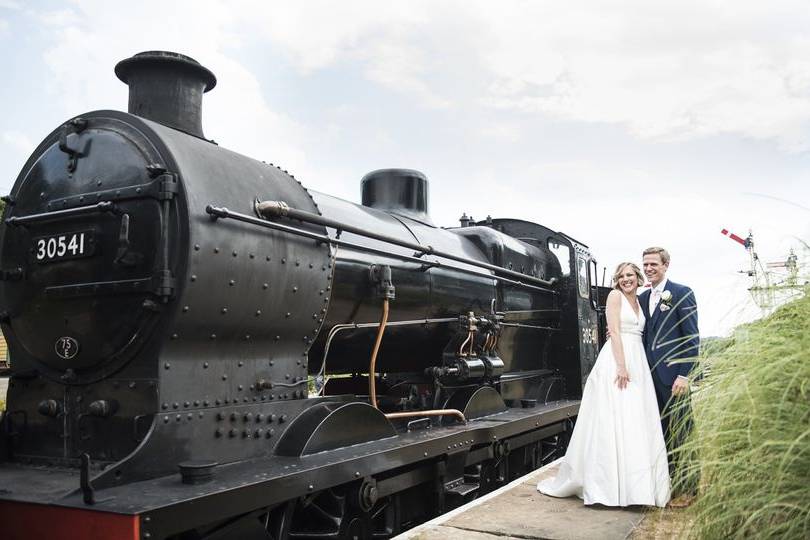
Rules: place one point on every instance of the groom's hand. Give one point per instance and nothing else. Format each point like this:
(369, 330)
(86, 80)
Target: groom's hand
(680, 386)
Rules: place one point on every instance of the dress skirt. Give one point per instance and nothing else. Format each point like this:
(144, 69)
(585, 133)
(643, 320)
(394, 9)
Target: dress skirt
(617, 455)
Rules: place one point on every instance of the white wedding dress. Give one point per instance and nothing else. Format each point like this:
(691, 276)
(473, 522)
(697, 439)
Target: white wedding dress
(616, 456)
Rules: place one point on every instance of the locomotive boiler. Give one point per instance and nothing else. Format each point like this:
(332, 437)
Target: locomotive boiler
(202, 347)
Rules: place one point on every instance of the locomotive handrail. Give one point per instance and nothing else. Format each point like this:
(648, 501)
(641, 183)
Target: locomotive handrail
(270, 209)
(104, 206)
(532, 326)
(224, 213)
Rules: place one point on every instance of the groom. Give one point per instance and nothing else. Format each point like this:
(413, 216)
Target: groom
(670, 337)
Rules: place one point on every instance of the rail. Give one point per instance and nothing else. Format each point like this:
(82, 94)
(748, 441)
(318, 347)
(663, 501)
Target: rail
(101, 207)
(271, 209)
(223, 213)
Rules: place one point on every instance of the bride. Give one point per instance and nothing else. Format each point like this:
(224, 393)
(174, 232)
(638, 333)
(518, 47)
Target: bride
(617, 456)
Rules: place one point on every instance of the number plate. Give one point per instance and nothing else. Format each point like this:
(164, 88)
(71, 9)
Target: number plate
(59, 247)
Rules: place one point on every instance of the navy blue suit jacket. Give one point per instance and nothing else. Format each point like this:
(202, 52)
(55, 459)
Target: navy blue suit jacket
(671, 334)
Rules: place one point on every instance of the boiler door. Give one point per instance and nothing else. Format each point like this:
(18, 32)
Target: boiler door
(88, 247)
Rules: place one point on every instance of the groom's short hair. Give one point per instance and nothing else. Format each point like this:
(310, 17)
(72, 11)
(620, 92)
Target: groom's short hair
(664, 254)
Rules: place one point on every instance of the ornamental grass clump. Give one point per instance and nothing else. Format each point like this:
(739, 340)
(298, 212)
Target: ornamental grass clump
(749, 450)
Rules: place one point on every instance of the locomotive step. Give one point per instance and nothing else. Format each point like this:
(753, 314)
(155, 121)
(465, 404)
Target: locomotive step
(462, 490)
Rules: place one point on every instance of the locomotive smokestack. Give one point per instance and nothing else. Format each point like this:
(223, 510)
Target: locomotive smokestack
(167, 87)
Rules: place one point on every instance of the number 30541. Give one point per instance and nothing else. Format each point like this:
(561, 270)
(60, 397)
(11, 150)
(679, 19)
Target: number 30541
(63, 246)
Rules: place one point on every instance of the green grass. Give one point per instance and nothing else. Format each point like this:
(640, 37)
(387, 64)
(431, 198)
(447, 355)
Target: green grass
(749, 451)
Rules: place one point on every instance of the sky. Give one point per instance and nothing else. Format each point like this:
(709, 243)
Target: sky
(623, 124)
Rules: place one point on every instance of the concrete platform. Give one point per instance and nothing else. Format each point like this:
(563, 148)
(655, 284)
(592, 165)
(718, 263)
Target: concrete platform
(518, 511)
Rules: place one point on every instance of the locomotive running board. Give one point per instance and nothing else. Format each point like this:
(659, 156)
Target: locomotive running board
(167, 506)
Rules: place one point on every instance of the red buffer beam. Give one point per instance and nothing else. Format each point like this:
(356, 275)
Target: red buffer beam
(736, 238)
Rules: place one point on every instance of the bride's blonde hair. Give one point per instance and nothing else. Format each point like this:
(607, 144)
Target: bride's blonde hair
(618, 273)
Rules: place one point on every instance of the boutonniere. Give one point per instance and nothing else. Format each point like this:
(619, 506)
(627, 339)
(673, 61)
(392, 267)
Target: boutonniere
(666, 301)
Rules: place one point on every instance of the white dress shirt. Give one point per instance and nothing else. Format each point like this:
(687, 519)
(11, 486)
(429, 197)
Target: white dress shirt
(655, 295)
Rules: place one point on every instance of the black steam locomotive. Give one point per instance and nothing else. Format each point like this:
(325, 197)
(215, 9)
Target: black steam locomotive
(203, 348)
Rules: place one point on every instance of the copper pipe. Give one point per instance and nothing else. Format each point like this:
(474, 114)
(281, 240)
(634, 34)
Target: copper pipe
(433, 412)
(489, 342)
(461, 349)
(472, 344)
(354, 326)
(372, 368)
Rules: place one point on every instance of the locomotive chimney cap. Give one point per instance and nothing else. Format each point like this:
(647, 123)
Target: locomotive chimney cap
(148, 59)
(167, 87)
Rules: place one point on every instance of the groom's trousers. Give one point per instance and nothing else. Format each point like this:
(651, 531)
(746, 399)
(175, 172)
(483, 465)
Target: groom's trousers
(676, 423)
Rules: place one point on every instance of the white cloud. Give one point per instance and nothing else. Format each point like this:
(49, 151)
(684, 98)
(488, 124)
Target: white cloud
(15, 147)
(400, 67)
(61, 17)
(318, 33)
(235, 113)
(504, 131)
(381, 37)
(669, 71)
(237, 116)
(16, 141)
(88, 40)
(664, 70)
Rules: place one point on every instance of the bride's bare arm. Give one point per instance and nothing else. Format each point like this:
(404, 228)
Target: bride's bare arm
(613, 312)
